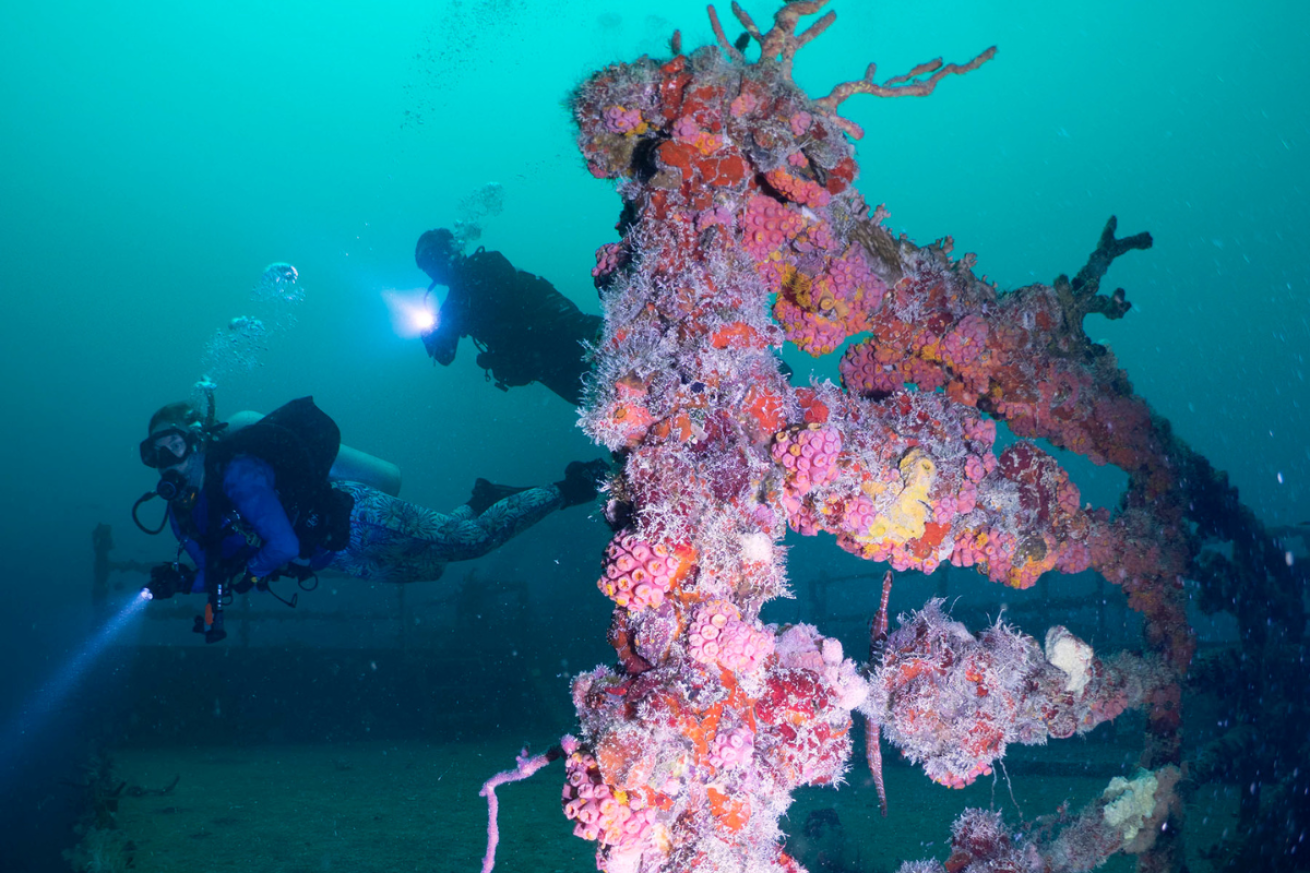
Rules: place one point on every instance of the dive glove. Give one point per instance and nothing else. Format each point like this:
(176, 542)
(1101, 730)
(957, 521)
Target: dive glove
(169, 579)
(580, 481)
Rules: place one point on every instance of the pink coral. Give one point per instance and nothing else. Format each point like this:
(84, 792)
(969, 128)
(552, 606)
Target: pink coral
(974, 468)
(619, 119)
(808, 455)
(816, 239)
(798, 189)
(739, 204)
(732, 749)
(1075, 557)
(719, 636)
(853, 279)
(719, 215)
(743, 104)
(1067, 497)
(637, 573)
(767, 225)
(871, 370)
(820, 310)
(967, 498)
(608, 259)
(968, 550)
(966, 341)
(686, 130)
(980, 430)
(599, 813)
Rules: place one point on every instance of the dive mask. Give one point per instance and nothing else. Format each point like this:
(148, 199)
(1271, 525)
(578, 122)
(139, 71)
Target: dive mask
(158, 456)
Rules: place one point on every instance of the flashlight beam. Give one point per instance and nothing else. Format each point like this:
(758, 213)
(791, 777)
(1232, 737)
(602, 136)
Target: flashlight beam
(32, 719)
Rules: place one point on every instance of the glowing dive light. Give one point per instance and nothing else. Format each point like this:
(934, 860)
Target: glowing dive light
(413, 313)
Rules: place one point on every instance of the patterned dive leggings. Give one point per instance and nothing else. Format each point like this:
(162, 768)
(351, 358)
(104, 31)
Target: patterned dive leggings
(392, 540)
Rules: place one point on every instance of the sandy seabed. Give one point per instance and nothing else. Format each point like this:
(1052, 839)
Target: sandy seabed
(388, 807)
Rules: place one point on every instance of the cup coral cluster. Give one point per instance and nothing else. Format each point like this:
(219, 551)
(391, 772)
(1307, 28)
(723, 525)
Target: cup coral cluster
(719, 636)
(638, 574)
(609, 817)
(709, 738)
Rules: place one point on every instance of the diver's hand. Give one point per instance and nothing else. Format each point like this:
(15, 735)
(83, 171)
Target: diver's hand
(248, 580)
(299, 569)
(580, 482)
(169, 579)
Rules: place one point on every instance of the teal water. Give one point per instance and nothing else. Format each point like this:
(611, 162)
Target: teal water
(157, 156)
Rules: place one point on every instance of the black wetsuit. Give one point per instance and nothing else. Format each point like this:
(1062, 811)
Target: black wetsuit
(527, 331)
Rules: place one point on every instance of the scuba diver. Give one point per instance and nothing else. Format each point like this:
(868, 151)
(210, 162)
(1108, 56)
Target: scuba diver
(525, 330)
(281, 497)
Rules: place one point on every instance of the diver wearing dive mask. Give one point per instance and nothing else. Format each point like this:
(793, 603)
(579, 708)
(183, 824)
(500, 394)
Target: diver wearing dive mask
(256, 503)
(173, 448)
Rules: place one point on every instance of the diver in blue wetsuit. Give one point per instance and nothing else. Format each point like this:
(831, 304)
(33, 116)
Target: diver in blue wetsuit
(254, 504)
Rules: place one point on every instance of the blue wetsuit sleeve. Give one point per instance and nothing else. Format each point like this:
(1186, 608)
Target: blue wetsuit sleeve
(249, 483)
(194, 551)
(198, 557)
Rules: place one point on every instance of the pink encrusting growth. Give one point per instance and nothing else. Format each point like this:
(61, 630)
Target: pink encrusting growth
(953, 702)
(742, 230)
(621, 120)
(767, 226)
(719, 636)
(733, 748)
(809, 456)
(610, 818)
(637, 573)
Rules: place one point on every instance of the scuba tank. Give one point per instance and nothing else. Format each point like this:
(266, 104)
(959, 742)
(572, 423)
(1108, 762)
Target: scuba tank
(349, 465)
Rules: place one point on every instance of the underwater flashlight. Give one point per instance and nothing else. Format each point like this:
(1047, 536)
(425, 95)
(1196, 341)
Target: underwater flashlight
(413, 313)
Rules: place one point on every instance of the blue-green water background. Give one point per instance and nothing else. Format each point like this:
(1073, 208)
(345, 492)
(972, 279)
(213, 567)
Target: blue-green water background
(156, 156)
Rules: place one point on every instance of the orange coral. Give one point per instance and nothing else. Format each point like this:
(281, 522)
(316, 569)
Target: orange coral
(732, 813)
